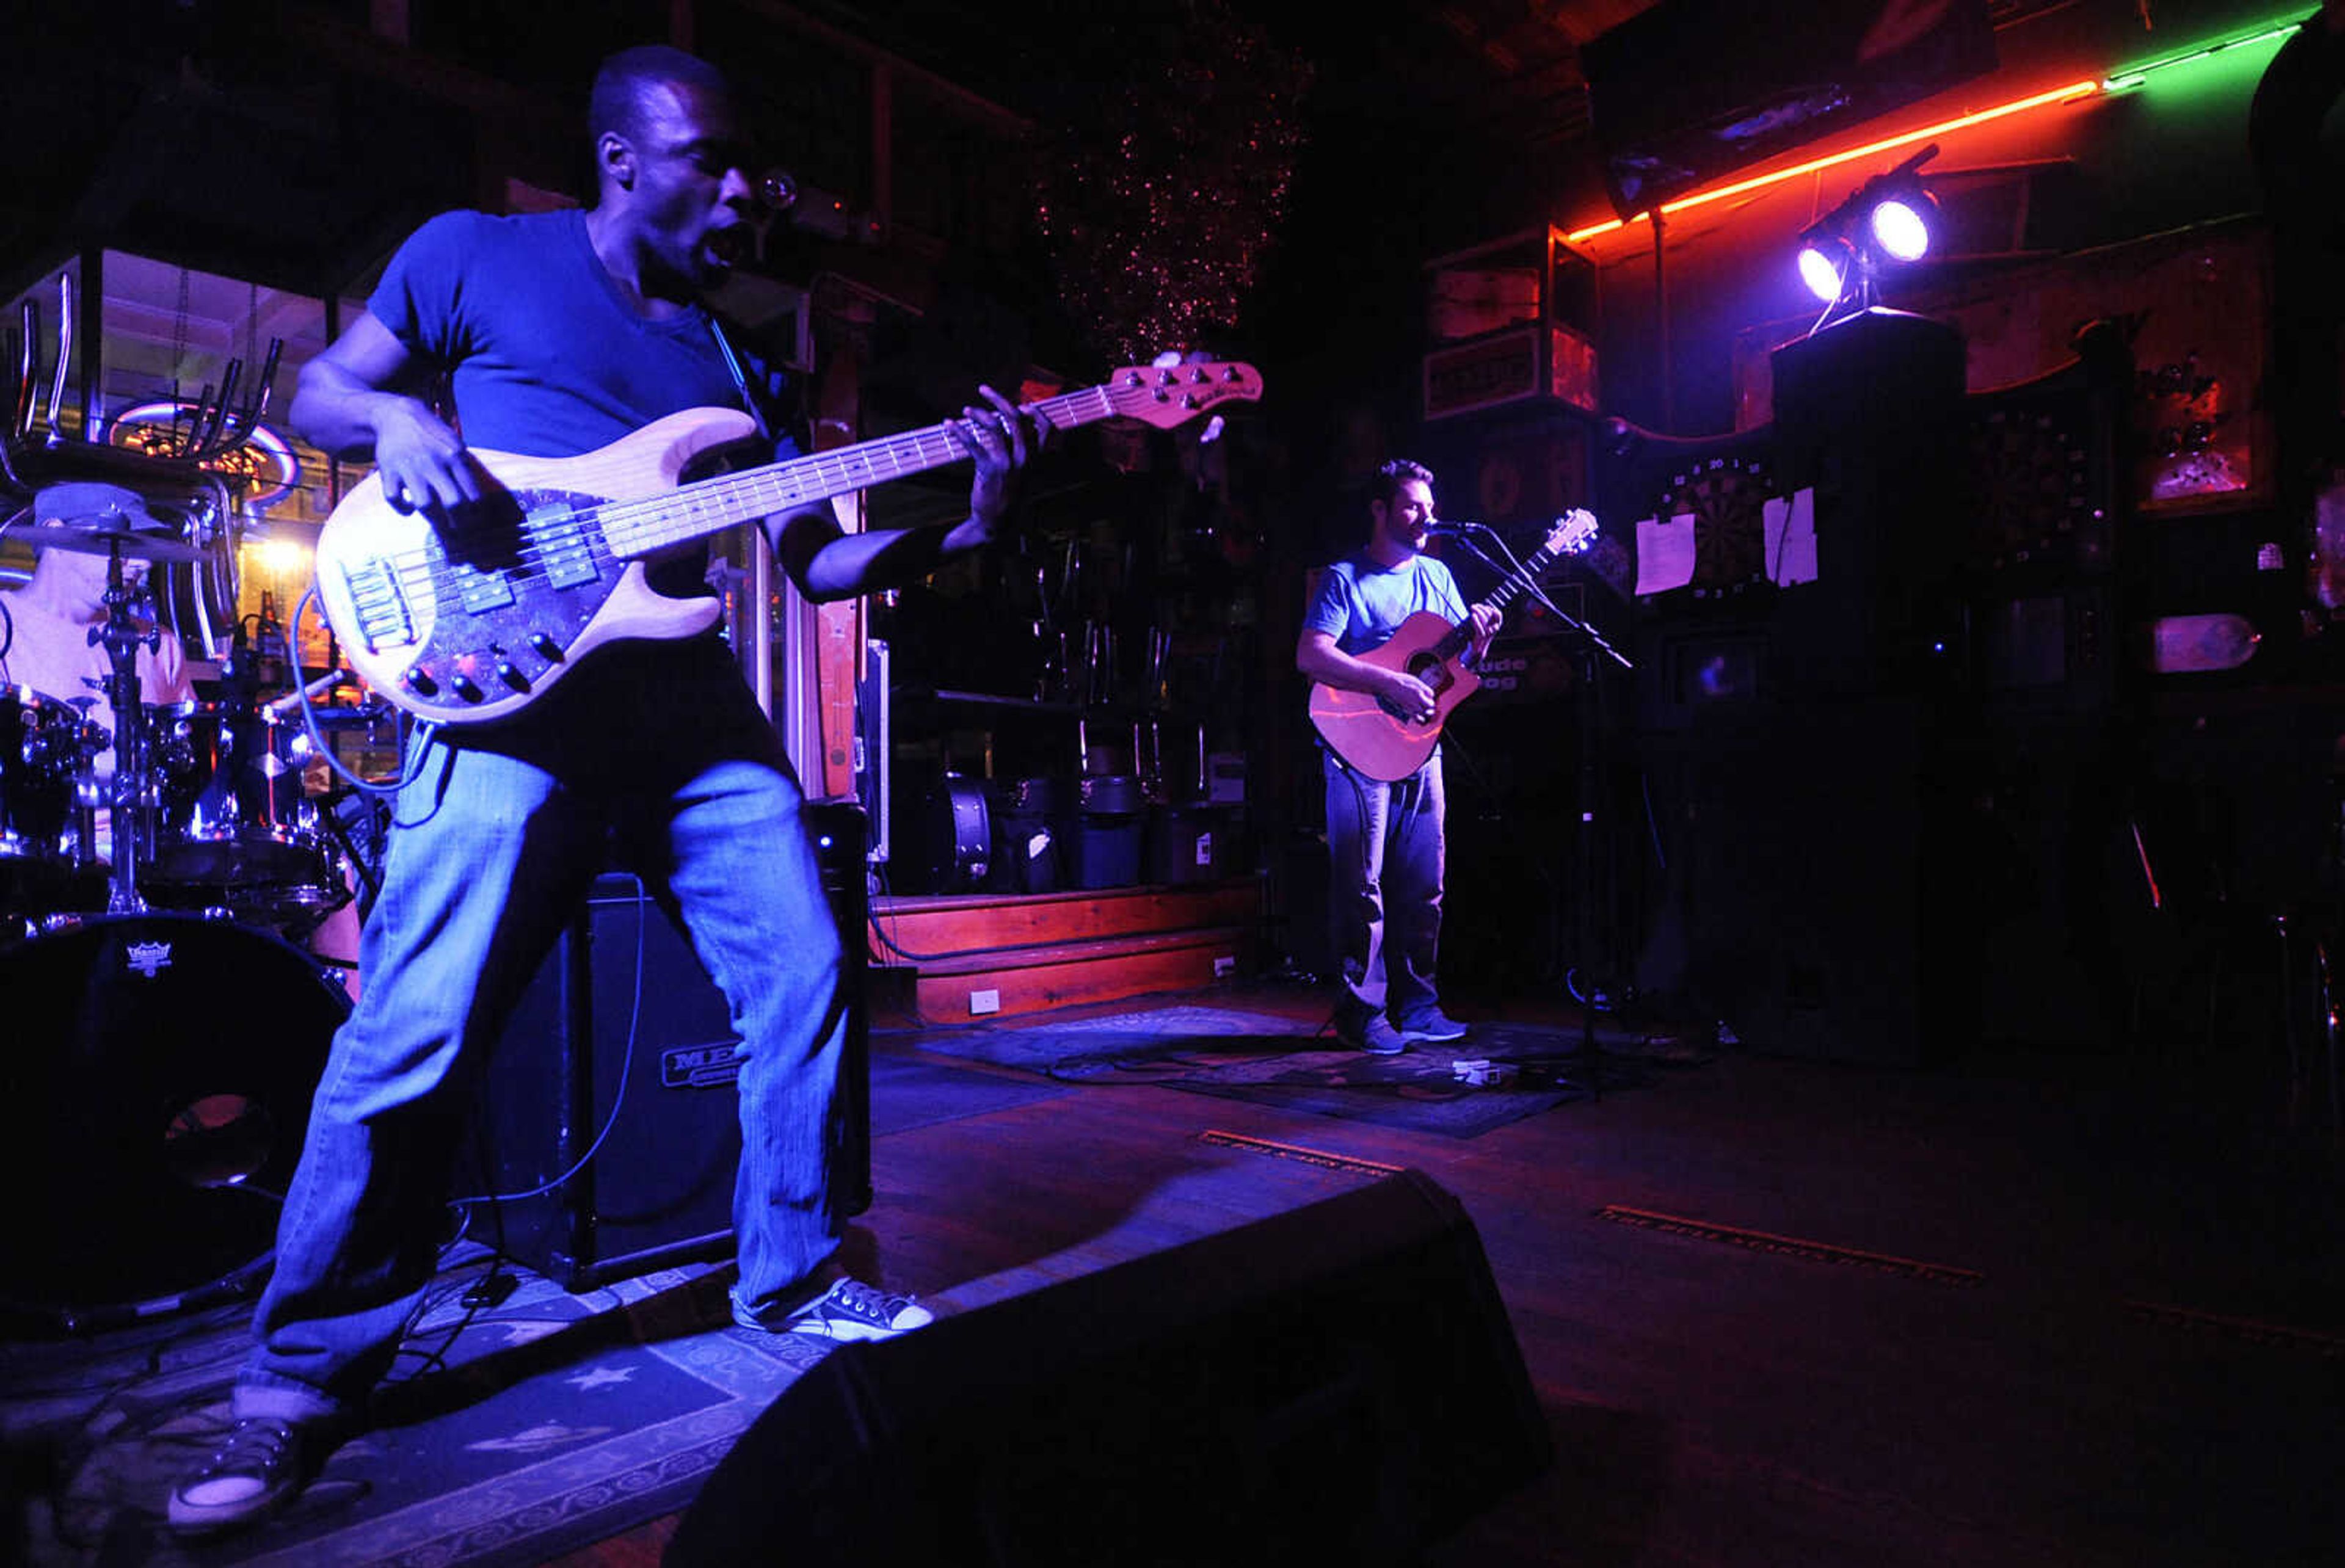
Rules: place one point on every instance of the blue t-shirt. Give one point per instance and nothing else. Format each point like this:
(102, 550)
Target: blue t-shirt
(544, 355)
(1361, 604)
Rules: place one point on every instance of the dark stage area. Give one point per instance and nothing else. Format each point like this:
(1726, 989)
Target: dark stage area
(2044, 1306)
(1785, 565)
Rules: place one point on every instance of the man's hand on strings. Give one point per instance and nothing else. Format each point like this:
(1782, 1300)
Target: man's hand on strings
(1486, 620)
(999, 439)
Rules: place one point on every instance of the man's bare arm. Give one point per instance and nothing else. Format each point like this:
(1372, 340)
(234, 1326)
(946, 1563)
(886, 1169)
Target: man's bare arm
(343, 403)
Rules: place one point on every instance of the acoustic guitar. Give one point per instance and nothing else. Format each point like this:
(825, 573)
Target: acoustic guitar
(464, 617)
(1375, 737)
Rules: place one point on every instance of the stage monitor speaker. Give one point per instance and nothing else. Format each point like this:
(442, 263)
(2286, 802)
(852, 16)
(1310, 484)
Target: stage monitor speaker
(1335, 1384)
(660, 1188)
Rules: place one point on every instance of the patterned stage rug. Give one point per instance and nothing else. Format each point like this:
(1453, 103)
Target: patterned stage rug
(1268, 1059)
(508, 1434)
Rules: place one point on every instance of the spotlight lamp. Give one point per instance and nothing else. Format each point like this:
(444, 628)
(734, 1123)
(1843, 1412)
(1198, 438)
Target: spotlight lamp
(1826, 264)
(1885, 223)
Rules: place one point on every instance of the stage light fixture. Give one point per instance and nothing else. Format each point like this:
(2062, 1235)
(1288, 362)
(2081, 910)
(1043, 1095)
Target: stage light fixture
(1884, 223)
(1824, 263)
(1901, 225)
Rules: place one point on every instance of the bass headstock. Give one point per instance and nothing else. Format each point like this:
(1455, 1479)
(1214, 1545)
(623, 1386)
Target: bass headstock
(1169, 395)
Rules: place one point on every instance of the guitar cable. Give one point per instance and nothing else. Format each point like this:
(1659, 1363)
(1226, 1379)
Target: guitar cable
(626, 1070)
(411, 767)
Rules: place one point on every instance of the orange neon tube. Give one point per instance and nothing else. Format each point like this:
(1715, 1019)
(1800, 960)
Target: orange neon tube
(2070, 93)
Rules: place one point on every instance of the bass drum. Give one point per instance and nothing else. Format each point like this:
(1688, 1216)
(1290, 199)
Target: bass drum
(163, 1066)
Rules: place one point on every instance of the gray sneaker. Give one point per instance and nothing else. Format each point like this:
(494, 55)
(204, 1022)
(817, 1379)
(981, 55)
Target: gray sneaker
(1375, 1035)
(849, 1310)
(1434, 1028)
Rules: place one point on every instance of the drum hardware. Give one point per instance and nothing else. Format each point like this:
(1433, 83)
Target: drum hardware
(122, 635)
(292, 702)
(102, 541)
(92, 517)
(234, 827)
(40, 740)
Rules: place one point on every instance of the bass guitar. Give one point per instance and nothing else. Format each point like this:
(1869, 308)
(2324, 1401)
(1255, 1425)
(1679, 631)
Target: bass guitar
(467, 617)
(1378, 739)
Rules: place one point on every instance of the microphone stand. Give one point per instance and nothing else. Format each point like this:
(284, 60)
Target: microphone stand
(1586, 1068)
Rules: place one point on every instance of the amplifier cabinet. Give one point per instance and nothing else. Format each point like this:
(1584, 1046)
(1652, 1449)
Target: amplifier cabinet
(660, 1188)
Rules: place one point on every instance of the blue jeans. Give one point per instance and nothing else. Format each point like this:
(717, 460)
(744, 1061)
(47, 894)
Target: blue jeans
(656, 756)
(1385, 850)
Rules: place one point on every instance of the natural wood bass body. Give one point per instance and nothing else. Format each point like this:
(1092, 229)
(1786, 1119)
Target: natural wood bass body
(467, 617)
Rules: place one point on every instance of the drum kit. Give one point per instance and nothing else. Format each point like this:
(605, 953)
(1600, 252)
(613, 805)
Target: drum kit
(162, 868)
(203, 806)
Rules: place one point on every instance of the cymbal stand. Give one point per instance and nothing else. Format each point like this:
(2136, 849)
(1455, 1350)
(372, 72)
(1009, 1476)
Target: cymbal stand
(122, 637)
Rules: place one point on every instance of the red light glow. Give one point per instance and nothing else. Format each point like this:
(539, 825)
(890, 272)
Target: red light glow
(2073, 93)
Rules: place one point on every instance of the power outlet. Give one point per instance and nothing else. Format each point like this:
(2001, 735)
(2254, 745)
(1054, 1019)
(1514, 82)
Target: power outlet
(981, 1002)
(1224, 966)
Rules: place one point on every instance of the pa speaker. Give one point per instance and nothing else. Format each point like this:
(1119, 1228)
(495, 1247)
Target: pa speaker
(659, 1189)
(1335, 1384)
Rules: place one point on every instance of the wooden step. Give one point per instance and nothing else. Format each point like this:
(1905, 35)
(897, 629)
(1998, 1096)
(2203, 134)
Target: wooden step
(1035, 978)
(929, 929)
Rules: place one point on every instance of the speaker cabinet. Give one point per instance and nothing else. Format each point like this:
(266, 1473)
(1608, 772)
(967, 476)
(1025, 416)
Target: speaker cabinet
(1820, 895)
(1869, 414)
(660, 1188)
(1334, 1384)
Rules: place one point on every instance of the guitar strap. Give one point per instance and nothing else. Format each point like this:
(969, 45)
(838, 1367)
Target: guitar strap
(750, 400)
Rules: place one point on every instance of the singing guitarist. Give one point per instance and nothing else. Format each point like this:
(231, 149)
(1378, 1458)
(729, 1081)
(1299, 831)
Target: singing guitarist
(1384, 838)
(560, 333)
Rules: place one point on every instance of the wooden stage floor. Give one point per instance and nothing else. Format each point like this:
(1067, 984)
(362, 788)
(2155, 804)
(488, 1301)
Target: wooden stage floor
(2026, 1308)
(2067, 1308)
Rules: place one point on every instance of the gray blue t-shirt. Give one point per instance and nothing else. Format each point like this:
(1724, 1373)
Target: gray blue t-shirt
(1361, 604)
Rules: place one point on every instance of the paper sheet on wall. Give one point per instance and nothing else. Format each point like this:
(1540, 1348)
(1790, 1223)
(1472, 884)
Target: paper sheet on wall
(1664, 554)
(1791, 525)
(1665, 549)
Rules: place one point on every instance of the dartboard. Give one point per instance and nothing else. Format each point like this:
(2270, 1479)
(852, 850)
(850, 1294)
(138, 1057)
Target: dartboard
(2034, 487)
(1726, 497)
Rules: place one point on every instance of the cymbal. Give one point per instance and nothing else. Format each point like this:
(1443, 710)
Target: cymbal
(83, 503)
(102, 542)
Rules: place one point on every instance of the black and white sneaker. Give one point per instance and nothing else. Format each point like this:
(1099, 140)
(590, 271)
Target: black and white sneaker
(257, 1469)
(849, 1310)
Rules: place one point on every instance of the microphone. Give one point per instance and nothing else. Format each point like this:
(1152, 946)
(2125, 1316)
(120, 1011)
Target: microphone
(1451, 530)
(776, 191)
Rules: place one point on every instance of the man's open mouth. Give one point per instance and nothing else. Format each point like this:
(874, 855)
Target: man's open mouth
(728, 246)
